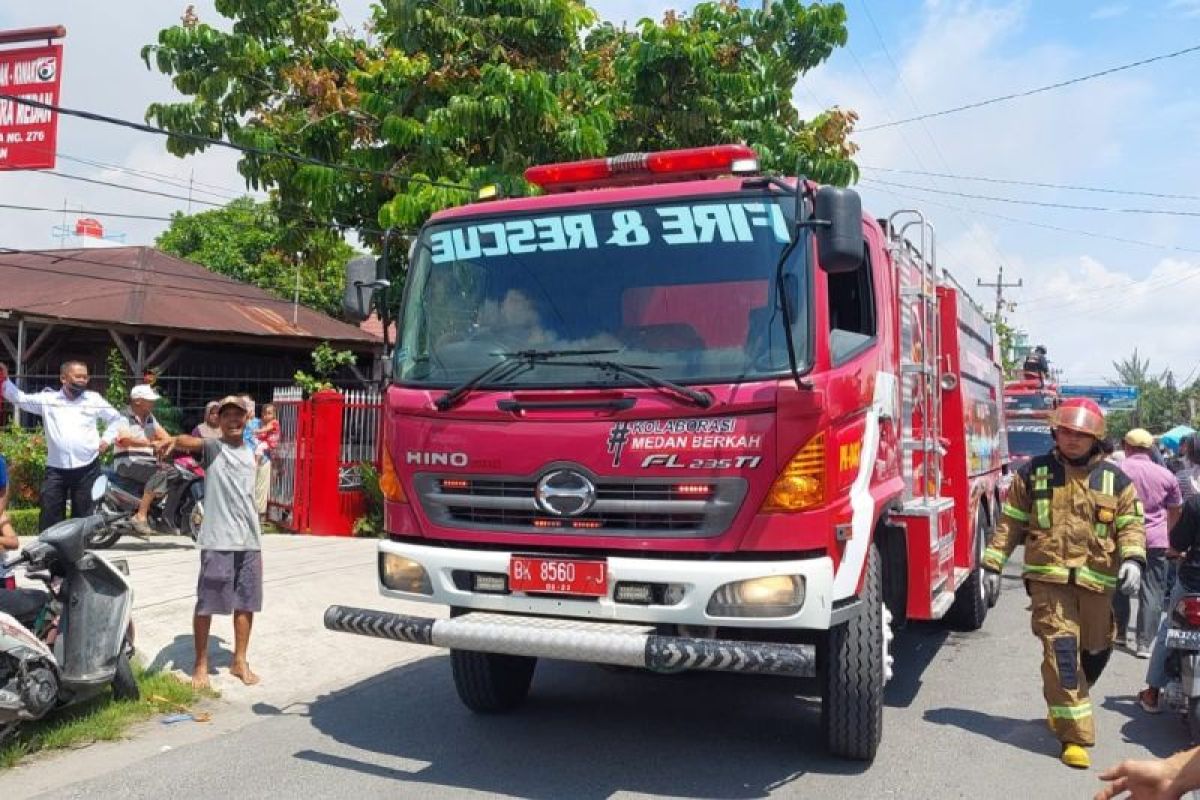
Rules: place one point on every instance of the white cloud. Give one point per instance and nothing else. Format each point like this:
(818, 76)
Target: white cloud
(1091, 313)
(1186, 8)
(1089, 133)
(1111, 11)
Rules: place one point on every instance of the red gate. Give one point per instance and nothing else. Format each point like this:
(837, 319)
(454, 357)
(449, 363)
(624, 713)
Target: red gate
(316, 478)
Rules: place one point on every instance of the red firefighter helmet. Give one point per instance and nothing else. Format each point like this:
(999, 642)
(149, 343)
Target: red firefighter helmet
(1079, 414)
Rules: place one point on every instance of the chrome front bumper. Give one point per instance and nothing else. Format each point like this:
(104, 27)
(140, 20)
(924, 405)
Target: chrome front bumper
(578, 640)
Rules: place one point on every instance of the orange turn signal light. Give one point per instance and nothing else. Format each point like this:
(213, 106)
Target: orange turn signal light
(801, 485)
(389, 480)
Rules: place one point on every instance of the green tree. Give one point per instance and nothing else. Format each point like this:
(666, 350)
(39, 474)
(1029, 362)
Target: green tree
(474, 91)
(326, 361)
(116, 391)
(1161, 405)
(251, 242)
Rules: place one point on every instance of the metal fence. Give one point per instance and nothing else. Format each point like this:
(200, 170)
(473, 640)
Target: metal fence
(285, 465)
(311, 432)
(360, 436)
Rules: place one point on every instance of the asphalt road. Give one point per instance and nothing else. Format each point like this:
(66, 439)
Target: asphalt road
(964, 718)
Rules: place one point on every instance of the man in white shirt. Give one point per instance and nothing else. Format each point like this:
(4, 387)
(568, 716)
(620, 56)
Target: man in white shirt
(74, 443)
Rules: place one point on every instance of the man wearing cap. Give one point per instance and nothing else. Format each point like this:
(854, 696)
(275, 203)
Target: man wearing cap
(138, 434)
(69, 417)
(230, 540)
(1080, 521)
(1162, 500)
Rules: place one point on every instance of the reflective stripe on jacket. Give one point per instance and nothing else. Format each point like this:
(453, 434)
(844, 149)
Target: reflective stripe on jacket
(1077, 523)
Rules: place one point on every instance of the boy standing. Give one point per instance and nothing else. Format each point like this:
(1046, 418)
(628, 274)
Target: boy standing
(230, 540)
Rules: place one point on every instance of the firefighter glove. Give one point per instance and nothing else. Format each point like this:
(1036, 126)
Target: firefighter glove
(991, 586)
(1130, 577)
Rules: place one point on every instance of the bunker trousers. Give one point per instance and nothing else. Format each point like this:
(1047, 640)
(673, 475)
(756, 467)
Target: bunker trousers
(1077, 630)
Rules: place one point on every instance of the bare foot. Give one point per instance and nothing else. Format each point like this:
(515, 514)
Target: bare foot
(242, 672)
(200, 677)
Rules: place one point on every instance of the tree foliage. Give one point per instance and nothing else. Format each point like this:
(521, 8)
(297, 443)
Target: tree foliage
(439, 93)
(326, 361)
(248, 240)
(1161, 403)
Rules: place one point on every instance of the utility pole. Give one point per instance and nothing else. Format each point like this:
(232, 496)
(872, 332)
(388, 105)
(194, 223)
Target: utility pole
(1000, 286)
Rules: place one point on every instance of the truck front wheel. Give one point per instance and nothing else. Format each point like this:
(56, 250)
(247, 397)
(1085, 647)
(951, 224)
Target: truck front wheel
(852, 675)
(490, 683)
(971, 601)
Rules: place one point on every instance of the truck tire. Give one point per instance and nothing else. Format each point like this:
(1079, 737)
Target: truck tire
(490, 683)
(970, 601)
(853, 674)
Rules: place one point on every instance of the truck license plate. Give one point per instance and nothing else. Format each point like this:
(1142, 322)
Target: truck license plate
(558, 576)
(1183, 640)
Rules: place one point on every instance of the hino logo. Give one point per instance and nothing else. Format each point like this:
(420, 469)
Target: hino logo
(424, 459)
(565, 493)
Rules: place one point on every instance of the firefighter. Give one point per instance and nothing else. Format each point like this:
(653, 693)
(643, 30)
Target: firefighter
(1081, 523)
(1036, 366)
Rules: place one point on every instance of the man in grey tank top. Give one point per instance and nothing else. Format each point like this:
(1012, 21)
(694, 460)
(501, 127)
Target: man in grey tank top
(230, 540)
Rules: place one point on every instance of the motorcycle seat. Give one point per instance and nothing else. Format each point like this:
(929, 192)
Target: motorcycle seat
(123, 483)
(23, 604)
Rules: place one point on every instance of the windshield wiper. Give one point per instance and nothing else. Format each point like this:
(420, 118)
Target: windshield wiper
(702, 399)
(510, 365)
(514, 363)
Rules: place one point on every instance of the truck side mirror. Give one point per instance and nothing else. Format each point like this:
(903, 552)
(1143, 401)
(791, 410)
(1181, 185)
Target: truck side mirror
(840, 238)
(361, 285)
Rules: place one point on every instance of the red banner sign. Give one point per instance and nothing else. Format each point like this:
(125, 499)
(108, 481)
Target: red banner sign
(27, 133)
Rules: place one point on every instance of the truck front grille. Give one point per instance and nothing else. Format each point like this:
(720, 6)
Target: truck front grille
(623, 507)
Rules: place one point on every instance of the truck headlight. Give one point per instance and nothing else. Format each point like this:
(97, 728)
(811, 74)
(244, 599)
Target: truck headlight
(769, 596)
(403, 574)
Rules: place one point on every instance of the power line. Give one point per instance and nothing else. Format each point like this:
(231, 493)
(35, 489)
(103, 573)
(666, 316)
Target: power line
(118, 214)
(127, 187)
(161, 177)
(1035, 184)
(1043, 225)
(971, 229)
(194, 137)
(1041, 203)
(1029, 92)
(312, 223)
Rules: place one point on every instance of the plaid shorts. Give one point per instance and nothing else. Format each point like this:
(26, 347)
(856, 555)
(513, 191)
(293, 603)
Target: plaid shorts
(230, 580)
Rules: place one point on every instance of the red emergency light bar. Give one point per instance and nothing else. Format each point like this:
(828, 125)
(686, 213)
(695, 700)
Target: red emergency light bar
(623, 170)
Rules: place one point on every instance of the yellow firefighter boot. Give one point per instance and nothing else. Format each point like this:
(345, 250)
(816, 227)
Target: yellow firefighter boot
(1074, 755)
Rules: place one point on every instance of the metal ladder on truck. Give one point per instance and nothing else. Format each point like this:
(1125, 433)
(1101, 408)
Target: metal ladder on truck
(924, 509)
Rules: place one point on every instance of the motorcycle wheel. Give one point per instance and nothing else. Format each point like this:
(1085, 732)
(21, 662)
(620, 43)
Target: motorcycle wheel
(124, 685)
(107, 535)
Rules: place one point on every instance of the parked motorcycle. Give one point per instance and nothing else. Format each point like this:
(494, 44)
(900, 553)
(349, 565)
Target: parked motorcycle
(180, 510)
(1182, 692)
(65, 643)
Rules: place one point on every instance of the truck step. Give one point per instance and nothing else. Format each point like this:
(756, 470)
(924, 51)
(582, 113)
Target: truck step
(941, 604)
(960, 575)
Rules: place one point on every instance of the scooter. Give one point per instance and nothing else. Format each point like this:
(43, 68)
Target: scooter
(180, 510)
(67, 643)
(1182, 692)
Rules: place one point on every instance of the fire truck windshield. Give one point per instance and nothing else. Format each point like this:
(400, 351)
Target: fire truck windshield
(685, 290)
(1028, 402)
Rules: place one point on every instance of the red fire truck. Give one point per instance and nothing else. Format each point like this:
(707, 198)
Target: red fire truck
(676, 414)
(1030, 399)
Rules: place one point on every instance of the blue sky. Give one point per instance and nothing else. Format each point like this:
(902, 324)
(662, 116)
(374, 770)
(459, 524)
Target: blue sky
(1089, 299)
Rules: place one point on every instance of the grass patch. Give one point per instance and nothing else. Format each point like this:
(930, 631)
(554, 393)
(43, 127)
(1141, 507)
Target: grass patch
(24, 520)
(100, 720)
